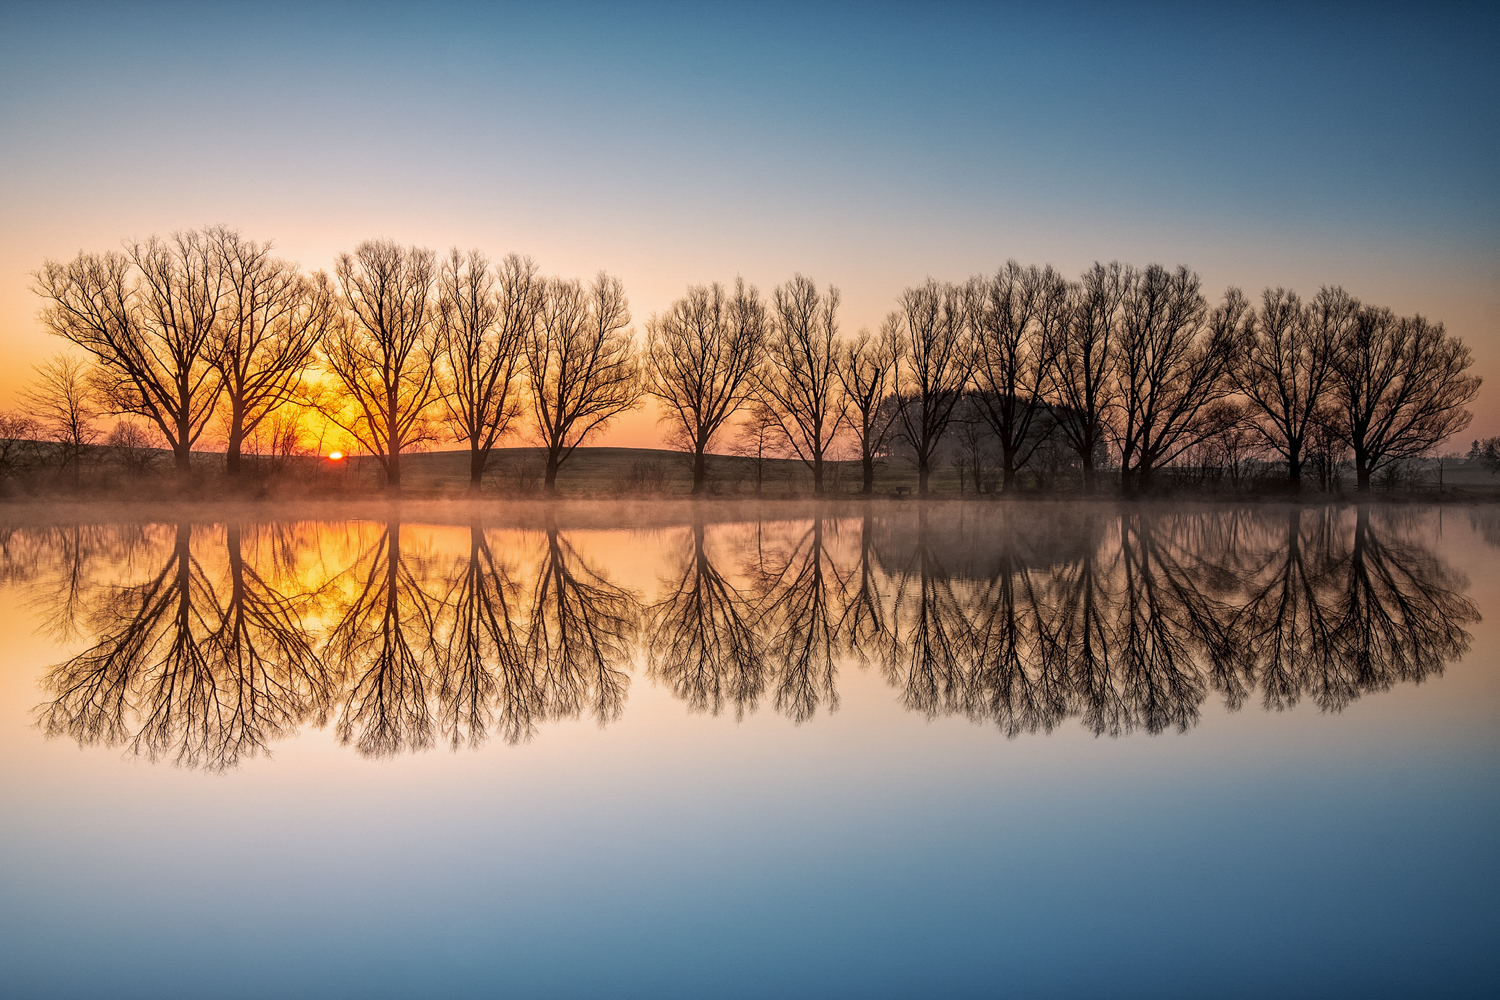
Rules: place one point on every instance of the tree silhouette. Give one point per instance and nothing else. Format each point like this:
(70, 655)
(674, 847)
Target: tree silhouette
(581, 364)
(484, 319)
(381, 356)
(702, 356)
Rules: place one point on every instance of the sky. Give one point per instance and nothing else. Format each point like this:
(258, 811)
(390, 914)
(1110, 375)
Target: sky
(868, 146)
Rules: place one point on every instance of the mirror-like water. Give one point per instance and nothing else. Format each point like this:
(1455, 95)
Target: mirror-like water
(979, 751)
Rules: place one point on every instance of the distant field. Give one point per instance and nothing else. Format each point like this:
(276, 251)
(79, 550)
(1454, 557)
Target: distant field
(608, 473)
(596, 472)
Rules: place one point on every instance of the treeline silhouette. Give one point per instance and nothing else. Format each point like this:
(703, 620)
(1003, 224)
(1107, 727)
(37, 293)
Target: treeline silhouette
(1021, 377)
(207, 645)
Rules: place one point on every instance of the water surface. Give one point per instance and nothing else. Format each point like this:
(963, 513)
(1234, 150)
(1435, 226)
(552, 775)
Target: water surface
(968, 751)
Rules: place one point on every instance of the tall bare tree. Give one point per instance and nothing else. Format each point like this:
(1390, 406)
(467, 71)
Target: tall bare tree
(1174, 361)
(581, 363)
(484, 319)
(149, 316)
(935, 320)
(867, 372)
(702, 356)
(273, 322)
(1019, 318)
(62, 399)
(799, 382)
(1082, 378)
(381, 354)
(1285, 363)
(1400, 387)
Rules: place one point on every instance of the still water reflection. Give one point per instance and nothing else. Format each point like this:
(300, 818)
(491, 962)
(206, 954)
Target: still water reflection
(208, 644)
(1030, 751)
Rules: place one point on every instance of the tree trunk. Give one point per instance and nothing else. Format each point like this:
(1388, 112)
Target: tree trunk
(700, 471)
(868, 464)
(1362, 471)
(1088, 472)
(1008, 482)
(477, 460)
(393, 468)
(922, 471)
(818, 474)
(549, 480)
(235, 445)
(232, 455)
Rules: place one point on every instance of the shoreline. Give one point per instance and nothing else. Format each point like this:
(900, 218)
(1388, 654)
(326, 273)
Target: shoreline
(647, 511)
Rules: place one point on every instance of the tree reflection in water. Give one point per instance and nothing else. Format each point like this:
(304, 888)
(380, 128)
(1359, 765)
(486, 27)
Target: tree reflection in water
(704, 642)
(198, 670)
(222, 641)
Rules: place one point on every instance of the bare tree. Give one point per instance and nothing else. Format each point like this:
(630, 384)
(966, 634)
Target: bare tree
(1285, 363)
(62, 400)
(756, 441)
(799, 382)
(581, 363)
(484, 319)
(1082, 376)
(273, 322)
(935, 335)
(381, 355)
(1174, 361)
(701, 361)
(1486, 452)
(1400, 386)
(867, 372)
(18, 444)
(149, 317)
(1019, 318)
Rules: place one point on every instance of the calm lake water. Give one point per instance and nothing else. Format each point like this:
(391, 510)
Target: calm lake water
(1032, 751)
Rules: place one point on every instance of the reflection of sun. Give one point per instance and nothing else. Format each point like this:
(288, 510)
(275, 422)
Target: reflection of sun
(334, 456)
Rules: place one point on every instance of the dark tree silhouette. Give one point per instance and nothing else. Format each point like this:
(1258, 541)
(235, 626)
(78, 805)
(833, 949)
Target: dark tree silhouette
(581, 363)
(273, 322)
(867, 371)
(1284, 366)
(935, 337)
(799, 381)
(1020, 316)
(381, 356)
(1082, 375)
(702, 357)
(484, 319)
(1400, 387)
(63, 402)
(149, 316)
(1174, 358)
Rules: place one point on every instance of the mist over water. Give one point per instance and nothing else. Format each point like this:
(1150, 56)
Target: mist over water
(878, 750)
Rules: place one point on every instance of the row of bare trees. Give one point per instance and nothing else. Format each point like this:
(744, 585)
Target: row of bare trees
(1124, 363)
(1137, 361)
(398, 342)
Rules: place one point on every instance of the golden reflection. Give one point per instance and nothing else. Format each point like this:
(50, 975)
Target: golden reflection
(208, 644)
